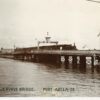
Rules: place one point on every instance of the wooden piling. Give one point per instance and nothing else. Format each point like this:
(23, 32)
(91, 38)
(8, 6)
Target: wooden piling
(92, 63)
(74, 60)
(66, 59)
(58, 59)
(83, 61)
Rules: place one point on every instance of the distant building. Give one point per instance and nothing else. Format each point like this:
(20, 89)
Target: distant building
(6, 51)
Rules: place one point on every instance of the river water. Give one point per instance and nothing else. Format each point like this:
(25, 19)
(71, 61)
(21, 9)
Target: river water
(18, 78)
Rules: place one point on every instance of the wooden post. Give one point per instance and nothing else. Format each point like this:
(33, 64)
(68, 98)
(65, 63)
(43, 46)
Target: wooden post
(58, 59)
(66, 59)
(92, 63)
(83, 61)
(92, 59)
(37, 58)
(74, 61)
(38, 45)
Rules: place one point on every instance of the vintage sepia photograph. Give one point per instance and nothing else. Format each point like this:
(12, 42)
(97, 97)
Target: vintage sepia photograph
(49, 48)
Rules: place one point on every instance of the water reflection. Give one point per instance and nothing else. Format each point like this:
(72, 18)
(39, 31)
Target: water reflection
(74, 67)
(84, 79)
(98, 68)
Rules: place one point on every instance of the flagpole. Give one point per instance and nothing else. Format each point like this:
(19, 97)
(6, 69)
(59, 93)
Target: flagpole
(99, 42)
(99, 39)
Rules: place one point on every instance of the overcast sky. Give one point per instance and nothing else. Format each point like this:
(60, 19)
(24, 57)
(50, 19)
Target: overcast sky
(23, 22)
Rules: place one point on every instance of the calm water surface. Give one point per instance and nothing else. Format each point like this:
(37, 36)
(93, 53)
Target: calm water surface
(16, 75)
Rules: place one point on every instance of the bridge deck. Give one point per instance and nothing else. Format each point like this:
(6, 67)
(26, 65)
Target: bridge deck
(65, 52)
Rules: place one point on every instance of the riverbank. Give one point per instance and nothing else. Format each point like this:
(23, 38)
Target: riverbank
(7, 56)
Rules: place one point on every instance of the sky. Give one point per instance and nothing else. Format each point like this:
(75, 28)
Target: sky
(24, 22)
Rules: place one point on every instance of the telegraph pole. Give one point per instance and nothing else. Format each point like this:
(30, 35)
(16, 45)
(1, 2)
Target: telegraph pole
(99, 38)
(97, 1)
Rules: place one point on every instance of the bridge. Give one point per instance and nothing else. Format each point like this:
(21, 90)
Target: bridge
(64, 52)
(54, 53)
(55, 56)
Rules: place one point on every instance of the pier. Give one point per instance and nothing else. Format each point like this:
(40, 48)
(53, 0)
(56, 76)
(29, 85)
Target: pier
(56, 53)
(55, 56)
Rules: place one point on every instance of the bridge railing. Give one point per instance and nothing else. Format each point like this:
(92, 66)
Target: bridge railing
(63, 52)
